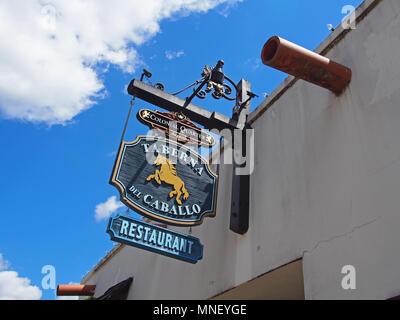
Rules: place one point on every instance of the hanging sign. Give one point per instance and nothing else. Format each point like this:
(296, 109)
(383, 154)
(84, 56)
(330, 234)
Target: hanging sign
(165, 181)
(146, 236)
(176, 125)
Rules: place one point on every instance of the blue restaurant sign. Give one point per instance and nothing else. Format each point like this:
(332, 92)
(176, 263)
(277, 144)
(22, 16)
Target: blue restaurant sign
(143, 235)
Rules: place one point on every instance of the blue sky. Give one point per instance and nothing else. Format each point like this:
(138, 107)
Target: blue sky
(63, 105)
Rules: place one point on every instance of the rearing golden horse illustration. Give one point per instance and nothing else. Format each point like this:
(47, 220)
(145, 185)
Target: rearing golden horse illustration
(168, 174)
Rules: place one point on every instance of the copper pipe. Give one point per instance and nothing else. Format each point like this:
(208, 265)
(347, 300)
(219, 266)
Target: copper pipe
(75, 290)
(297, 61)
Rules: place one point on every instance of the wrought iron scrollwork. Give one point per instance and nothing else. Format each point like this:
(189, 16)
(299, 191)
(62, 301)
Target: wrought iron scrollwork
(212, 81)
(160, 86)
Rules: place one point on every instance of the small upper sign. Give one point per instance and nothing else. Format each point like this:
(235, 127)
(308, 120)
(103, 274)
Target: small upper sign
(176, 125)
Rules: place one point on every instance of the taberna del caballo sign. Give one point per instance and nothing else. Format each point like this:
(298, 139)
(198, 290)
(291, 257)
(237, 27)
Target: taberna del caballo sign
(165, 181)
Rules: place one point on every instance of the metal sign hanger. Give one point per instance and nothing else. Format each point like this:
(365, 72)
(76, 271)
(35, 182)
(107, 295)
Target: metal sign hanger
(212, 81)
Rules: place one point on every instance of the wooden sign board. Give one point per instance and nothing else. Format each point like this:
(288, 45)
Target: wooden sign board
(165, 181)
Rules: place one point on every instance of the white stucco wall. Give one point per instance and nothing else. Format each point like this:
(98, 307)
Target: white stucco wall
(325, 187)
(328, 169)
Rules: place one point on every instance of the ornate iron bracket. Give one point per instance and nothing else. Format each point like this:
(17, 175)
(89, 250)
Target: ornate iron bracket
(212, 81)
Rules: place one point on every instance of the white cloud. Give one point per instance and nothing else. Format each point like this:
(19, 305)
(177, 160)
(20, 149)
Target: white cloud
(170, 55)
(227, 7)
(50, 50)
(112, 154)
(104, 210)
(4, 264)
(253, 63)
(13, 287)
